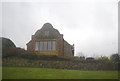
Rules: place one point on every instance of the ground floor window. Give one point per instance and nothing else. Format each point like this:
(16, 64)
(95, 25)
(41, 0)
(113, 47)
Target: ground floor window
(45, 45)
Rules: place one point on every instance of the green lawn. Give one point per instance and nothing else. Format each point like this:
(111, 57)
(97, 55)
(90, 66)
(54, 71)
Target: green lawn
(0, 72)
(45, 73)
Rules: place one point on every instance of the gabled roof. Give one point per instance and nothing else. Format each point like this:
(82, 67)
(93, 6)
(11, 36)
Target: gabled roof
(53, 33)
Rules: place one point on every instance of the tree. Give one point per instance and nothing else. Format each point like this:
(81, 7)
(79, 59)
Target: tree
(7, 46)
(103, 59)
(115, 57)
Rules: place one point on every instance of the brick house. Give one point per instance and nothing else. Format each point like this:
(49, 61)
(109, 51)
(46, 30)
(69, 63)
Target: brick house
(48, 41)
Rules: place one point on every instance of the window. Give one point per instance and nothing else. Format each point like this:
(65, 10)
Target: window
(53, 45)
(41, 46)
(49, 45)
(36, 46)
(45, 46)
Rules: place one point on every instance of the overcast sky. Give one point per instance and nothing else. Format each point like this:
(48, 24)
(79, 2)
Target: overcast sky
(92, 25)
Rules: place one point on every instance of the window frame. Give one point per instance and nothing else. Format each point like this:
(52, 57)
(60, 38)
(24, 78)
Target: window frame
(47, 49)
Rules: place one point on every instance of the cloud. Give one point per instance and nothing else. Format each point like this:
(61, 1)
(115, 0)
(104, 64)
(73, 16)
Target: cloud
(90, 25)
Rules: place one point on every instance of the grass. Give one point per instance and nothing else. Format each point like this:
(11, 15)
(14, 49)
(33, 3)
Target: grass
(45, 73)
(0, 72)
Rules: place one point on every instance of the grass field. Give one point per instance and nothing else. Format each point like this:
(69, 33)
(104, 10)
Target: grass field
(45, 73)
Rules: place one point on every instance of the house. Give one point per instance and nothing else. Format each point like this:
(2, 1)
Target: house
(49, 41)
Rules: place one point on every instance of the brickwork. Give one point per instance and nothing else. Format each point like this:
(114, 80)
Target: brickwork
(48, 33)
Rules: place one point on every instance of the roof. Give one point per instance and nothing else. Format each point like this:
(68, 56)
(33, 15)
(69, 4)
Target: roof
(52, 32)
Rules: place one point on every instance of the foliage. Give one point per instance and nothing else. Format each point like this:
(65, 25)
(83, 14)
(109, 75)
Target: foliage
(103, 59)
(90, 59)
(14, 52)
(7, 45)
(57, 62)
(115, 57)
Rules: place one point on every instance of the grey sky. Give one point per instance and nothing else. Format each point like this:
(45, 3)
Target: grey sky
(92, 25)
